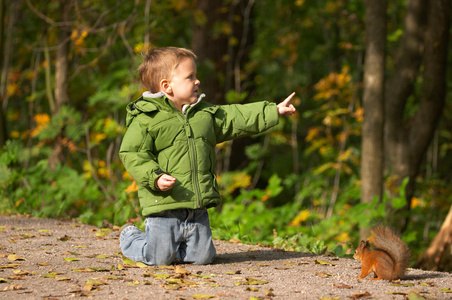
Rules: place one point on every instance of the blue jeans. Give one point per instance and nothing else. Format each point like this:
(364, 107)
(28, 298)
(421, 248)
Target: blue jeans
(181, 233)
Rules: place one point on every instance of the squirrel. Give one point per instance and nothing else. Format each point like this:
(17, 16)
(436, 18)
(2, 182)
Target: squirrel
(390, 256)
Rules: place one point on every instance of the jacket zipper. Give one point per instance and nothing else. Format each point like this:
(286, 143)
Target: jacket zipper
(193, 159)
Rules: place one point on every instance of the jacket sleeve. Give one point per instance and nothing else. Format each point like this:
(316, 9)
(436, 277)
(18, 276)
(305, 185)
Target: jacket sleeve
(239, 120)
(137, 156)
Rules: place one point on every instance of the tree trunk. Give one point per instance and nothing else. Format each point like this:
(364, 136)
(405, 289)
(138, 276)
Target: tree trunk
(211, 49)
(373, 104)
(62, 57)
(3, 132)
(438, 257)
(61, 75)
(221, 60)
(399, 87)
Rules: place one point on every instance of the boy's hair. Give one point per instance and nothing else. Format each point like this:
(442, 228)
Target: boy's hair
(160, 63)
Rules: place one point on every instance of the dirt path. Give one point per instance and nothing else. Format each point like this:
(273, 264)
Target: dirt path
(54, 259)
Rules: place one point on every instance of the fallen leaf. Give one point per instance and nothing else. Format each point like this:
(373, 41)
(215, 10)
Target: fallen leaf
(360, 295)
(43, 264)
(398, 293)
(342, 286)
(180, 270)
(251, 281)
(234, 272)
(62, 278)
(51, 274)
(415, 296)
(64, 238)
(269, 293)
(235, 241)
(324, 275)
(428, 283)
(93, 284)
(21, 272)
(103, 232)
(27, 236)
(111, 277)
(141, 265)
(202, 296)
(322, 262)
(71, 259)
(14, 257)
(15, 287)
(9, 266)
(402, 285)
(128, 262)
(4, 280)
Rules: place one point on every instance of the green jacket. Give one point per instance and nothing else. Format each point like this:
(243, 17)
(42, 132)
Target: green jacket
(161, 139)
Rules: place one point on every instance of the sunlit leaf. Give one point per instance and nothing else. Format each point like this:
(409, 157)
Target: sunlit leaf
(202, 296)
(9, 266)
(252, 281)
(14, 257)
(324, 275)
(180, 270)
(322, 262)
(71, 259)
(62, 278)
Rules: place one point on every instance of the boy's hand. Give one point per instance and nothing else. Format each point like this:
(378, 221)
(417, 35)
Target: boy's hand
(285, 108)
(165, 182)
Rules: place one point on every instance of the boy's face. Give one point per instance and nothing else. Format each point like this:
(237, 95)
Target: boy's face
(184, 84)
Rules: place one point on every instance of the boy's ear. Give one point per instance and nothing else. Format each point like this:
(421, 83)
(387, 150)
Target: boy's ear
(165, 86)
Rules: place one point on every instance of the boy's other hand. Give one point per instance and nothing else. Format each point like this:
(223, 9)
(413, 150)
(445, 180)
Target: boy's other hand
(165, 182)
(285, 108)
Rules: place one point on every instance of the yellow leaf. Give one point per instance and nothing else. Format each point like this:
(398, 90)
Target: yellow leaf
(322, 262)
(62, 278)
(324, 275)
(128, 262)
(141, 265)
(235, 241)
(14, 257)
(300, 218)
(71, 259)
(180, 270)
(132, 188)
(202, 296)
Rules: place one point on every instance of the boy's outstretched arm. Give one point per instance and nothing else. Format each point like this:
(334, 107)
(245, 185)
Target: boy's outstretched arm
(285, 108)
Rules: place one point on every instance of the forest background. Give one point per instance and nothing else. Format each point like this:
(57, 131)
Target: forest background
(371, 141)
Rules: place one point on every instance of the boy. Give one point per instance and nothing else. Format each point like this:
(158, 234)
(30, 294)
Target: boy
(169, 149)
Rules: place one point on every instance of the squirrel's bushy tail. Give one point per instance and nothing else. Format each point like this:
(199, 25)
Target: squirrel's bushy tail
(384, 238)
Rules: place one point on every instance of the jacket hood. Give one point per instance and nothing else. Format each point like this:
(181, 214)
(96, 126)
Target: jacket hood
(149, 102)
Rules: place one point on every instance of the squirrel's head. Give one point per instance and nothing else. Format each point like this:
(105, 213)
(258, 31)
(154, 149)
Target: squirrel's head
(360, 249)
